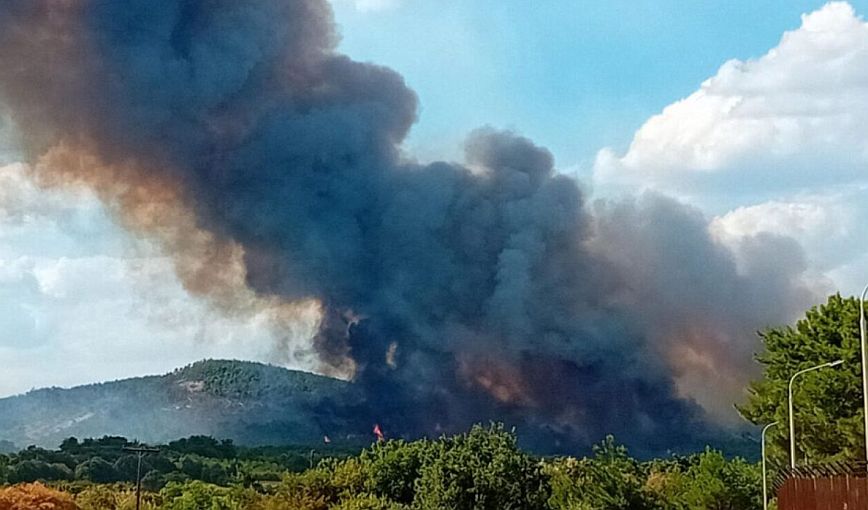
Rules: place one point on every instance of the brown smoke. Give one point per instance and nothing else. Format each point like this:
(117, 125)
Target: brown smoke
(213, 268)
(269, 167)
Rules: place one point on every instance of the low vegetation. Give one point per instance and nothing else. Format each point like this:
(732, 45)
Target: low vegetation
(481, 469)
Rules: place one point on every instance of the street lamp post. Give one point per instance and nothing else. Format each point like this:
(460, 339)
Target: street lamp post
(790, 401)
(864, 365)
(765, 482)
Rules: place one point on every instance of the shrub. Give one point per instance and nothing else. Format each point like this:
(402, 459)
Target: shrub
(197, 495)
(98, 497)
(481, 470)
(391, 468)
(610, 479)
(368, 502)
(34, 496)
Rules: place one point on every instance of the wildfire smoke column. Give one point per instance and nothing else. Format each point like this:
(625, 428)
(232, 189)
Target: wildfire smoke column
(269, 166)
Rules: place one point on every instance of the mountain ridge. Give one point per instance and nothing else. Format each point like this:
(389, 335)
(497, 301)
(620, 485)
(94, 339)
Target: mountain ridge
(249, 402)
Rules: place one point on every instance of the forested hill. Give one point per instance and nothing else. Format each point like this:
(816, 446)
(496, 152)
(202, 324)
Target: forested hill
(249, 402)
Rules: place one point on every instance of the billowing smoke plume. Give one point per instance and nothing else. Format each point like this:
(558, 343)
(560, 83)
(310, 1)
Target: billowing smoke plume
(269, 166)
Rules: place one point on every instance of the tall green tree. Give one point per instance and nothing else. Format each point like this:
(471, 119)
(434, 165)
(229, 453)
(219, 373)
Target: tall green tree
(4, 467)
(828, 402)
(610, 480)
(481, 470)
(97, 470)
(715, 483)
(33, 470)
(392, 467)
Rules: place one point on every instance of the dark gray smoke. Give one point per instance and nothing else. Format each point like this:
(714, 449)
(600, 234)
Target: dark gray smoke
(236, 135)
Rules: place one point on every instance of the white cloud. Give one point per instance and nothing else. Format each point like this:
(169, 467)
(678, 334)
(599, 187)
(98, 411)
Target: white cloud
(810, 218)
(372, 5)
(792, 118)
(773, 145)
(828, 226)
(82, 301)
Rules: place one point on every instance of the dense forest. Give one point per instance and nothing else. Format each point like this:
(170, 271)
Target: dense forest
(481, 469)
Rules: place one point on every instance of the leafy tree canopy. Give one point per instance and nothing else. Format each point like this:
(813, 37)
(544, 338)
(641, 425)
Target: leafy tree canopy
(827, 402)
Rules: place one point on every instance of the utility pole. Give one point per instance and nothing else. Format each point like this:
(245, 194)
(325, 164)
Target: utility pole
(140, 452)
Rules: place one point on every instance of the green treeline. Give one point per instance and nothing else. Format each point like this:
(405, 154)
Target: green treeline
(481, 469)
(201, 458)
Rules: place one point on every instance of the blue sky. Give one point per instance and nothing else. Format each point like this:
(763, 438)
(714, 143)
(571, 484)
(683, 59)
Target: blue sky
(747, 110)
(574, 76)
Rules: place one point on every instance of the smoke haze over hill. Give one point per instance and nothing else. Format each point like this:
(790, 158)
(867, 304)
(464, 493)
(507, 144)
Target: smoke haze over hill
(269, 167)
